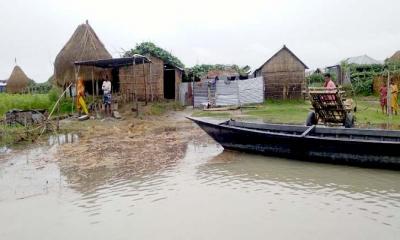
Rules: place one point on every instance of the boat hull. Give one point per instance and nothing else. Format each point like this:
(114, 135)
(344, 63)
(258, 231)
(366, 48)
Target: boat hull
(309, 148)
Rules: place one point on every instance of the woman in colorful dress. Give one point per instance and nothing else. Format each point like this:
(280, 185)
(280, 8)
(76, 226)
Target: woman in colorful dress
(394, 90)
(383, 98)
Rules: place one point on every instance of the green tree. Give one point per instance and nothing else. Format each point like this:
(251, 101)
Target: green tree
(149, 48)
(200, 70)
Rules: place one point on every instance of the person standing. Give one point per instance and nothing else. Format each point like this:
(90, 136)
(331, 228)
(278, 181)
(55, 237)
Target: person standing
(394, 90)
(80, 97)
(383, 98)
(106, 87)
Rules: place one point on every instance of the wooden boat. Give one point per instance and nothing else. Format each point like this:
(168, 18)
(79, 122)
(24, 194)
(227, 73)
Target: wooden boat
(351, 146)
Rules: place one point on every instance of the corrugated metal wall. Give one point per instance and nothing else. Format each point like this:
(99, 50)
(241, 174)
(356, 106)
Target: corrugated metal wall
(227, 93)
(251, 91)
(185, 93)
(204, 92)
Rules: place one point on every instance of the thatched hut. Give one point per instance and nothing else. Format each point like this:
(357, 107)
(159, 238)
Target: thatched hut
(284, 75)
(18, 81)
(83, 45)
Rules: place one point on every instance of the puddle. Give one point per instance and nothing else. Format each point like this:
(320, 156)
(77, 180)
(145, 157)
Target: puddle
(61, 139)
(4, 150)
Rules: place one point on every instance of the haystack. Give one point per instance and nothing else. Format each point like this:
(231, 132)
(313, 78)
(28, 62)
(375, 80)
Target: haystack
(395, 57)
(83, 45)
(18, 81)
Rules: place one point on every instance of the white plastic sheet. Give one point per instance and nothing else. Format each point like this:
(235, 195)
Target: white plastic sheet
(251, 91)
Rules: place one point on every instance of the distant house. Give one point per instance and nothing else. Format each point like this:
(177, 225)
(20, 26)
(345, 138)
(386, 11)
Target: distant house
(225, 73)
(3, 84)
(284, 75)
(362, 60)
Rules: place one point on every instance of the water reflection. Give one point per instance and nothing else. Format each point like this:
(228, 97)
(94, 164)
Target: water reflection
(343, 189)
(4, 150)
(204, 193)
(60, 139)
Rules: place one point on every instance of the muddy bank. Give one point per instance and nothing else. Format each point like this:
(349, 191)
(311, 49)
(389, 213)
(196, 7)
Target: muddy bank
(124, 148)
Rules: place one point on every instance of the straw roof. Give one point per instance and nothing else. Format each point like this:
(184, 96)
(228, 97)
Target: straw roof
(18, 81)
(395, 57)
(83, 45)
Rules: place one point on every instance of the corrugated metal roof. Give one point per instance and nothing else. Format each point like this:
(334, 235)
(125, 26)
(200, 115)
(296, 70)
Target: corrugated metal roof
(362, 60)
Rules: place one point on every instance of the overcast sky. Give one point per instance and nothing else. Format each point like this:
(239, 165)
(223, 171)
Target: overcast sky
(247, 32)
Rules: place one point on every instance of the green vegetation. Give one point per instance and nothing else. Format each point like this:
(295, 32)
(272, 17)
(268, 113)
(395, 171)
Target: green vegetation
(295, 112)
(198, 71)
(159, 108)
(315, 80)
(362, 76)
(33, 101)
(150, 48)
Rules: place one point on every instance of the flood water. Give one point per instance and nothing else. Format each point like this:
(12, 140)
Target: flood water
(209, 194)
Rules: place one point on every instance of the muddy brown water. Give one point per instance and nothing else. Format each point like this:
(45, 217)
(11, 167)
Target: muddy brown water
(208, 194)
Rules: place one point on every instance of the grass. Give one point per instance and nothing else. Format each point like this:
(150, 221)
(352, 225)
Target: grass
(295, 112)
(159, 108)
(31, 101)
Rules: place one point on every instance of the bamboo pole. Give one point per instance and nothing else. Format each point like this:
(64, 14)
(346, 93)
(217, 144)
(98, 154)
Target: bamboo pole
(388, 105)
(95, 108)
(151, 85)
(145, 83)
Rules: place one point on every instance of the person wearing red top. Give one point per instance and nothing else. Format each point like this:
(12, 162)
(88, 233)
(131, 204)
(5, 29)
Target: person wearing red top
(383, 98)
(329, 84)
(330, 87)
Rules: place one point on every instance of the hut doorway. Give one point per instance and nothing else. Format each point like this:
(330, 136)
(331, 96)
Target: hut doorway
(169, 83)
(115, 84)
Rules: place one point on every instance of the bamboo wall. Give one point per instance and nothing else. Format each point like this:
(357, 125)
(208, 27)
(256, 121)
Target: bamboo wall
(137, 80)
(284, 76)
(379, 80)
(133, 78)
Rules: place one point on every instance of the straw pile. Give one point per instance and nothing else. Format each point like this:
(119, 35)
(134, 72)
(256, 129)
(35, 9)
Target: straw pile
(83, 45)
(395, 57)
(18, 81)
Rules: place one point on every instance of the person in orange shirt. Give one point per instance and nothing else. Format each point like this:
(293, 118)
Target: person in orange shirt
(80, 95)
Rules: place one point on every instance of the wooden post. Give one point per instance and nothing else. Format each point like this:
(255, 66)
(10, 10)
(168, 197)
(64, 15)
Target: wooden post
(145, 82)
(389, 93)
(193, 89)
(151, 83)
(93, 88)
(58, 117)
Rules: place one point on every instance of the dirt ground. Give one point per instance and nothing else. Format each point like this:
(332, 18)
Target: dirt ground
(125, 147)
